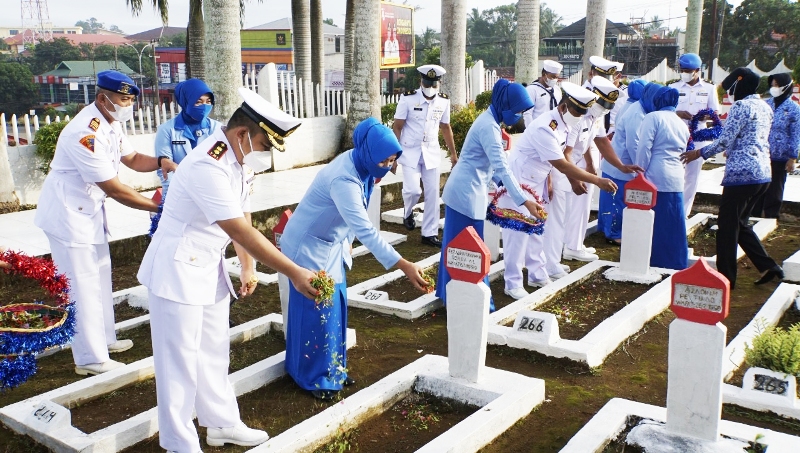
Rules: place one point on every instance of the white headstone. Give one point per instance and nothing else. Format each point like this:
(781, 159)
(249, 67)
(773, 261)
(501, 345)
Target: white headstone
(536, 326)
(374, 208)
(467, 328)
(491, 236)
(637, 234)
(283, 290)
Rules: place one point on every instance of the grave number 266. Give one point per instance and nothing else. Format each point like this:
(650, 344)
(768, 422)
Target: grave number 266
(770, 384)
(533, 325)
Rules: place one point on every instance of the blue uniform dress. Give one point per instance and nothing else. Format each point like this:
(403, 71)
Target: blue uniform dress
(662, 140)
(465, 194)
(784, 142)
(318, 237)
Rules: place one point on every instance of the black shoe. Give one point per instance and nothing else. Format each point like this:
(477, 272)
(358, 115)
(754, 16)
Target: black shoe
(349, 381)
(432, 240)
(616, 242)
(324, 395)
(770, 275)
(409, 222)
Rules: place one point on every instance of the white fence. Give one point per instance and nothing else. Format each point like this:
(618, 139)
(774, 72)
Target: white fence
(661, 73)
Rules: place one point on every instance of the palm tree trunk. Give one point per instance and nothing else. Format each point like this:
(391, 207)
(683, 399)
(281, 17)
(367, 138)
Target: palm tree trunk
(454, 49)
(317, 43)
(224, 60)
(301, 39)
(595, 37)
(195, 41)
(365, 101)
(527, 62)
(694, 22)
(348, 43)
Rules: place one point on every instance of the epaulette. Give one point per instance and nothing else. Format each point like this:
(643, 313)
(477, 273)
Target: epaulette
(444, 95)
(218, 150)
(94, 124)
(409, 93)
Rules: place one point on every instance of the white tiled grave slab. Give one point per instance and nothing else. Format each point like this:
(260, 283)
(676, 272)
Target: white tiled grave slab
(503, 398)
(785, 296)
(598, 343)
(611, 420)
(46, 417)
(762, 228)
(362, 295)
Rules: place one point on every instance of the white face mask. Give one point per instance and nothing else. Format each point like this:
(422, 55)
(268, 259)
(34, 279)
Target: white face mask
(121, 114)
(569, 119)
(597, 110)
(687, 76)
(430, 92)
(552, 82)
(259, 161)
(777, 91)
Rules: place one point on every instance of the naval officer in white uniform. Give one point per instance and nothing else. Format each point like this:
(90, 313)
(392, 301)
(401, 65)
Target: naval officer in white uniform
(188, 286)
(72, 213)
(544, 91)
(419, 117)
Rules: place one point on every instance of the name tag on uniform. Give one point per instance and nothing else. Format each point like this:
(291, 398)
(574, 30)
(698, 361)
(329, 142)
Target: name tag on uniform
(179, 142)
(682, 94)
(702, 94)
(586, 130)
(419, 109)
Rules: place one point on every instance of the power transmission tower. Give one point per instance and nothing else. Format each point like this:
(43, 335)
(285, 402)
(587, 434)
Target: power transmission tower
(36, 25)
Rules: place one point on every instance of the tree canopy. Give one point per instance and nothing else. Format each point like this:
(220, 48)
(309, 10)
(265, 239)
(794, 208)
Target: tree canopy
(18, 93)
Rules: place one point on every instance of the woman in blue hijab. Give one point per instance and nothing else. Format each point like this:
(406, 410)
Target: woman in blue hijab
(176, 137)
(482, 158)
(662, 139)
(319, 236)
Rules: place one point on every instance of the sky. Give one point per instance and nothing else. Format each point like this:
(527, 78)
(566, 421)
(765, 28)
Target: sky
(116, 12)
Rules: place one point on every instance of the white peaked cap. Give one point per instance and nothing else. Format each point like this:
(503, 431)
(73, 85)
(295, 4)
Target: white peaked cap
(276, 123)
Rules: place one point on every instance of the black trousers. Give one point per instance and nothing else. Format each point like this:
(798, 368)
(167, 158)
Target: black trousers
(769, 204)
(735, 207)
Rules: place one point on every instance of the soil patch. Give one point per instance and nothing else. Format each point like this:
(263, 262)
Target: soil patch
(123, 312)
(405, 427)
(401, 290)
(704, 240)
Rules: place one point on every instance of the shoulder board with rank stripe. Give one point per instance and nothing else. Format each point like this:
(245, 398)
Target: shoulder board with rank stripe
(94, 124)
(553, 124)
(218, 150)
(410, 92)
(444, 96)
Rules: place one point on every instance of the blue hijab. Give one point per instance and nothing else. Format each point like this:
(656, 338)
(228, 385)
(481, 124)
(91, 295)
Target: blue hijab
(647, 97)
(193, 119)
(509, 100)
(666, 98)
(372, 144)
(635, 90)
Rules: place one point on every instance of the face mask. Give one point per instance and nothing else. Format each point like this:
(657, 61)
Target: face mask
(257, 160)
(430, 92)
(569, 119)
(510, 118)
(120, 113)
(597, 110)
(378, 172)
(777, 91)
(552, 82)
(199, 112)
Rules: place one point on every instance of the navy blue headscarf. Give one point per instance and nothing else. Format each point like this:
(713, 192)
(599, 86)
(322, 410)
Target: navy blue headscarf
(509, 100)
(192, 118)
(647, 97)
(372, 144)
(666, 98)
(635, 90)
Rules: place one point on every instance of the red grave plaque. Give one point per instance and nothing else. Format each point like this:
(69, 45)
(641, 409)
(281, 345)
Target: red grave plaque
(700, 294)
(467, 257)
(157, 196)
(506, 139)
(278, 230)
(640, 193)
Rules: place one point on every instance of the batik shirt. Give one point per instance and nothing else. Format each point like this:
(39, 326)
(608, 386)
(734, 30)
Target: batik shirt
(784, 136)
(745, 137)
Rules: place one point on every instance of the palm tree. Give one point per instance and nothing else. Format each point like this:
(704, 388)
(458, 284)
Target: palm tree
(223, 55)
(364, 101)
(348, 43)
(594, 39)
(317, 43)
(195, 41)
(549, 22)
(454, 47)
(301, 39)
(527, 60)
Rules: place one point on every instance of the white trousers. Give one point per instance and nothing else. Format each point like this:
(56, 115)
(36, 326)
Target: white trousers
(553, 236)
(412, 191)
(578, 209)
(191, 353)
(524, 250)
(691, 176)
(88, 268)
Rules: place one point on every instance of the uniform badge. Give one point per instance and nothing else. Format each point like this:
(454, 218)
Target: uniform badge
(94, 124)
(553, 124)
(410, 93)
(124, 88)
(218, 150)
(444, 95)
(88, 142)
(613, 96)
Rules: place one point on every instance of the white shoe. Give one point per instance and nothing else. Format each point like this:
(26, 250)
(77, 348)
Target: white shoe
(539, 283)
(516, 293)
(238, 435)
(98, 368)
(580, 255)
(557, 276)
(564, 268)
(590, 249)
(120, 346)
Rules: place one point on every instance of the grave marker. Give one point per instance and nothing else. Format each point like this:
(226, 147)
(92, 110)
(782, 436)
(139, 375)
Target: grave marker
(48, 416)
(283, 281)
(374, 207)
(536, 326)
(375, 295)
(637, 233)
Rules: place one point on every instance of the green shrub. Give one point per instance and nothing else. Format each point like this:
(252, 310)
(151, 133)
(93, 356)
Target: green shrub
(776, 349)
(387, 113)
(45, 141)
(763, 85)
(671, 81)
(483, 100)
(460, 121)
(721, 93)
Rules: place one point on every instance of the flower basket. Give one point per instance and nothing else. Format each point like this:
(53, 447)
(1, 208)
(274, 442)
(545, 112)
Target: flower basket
(515, 220)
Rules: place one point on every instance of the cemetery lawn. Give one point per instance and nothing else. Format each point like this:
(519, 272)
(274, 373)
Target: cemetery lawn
(574, 393)
(401, 290)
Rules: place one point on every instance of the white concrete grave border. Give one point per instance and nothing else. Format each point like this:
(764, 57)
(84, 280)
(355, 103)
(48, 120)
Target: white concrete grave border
(356, 294)
(601, 341)
(612, 419)
(791, 268)
(397, 215)
(762, 228)
(503, 398)
(782, 299)
(63, 437)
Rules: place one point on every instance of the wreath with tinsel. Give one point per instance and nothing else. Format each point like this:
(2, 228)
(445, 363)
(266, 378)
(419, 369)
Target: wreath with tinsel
(515, 220)
(703, 135)
(27, 329)
(155, 219)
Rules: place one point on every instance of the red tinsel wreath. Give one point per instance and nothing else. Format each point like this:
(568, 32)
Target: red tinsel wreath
(41, 270)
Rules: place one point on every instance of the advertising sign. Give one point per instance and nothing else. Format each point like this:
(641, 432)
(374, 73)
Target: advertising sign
(397, 36)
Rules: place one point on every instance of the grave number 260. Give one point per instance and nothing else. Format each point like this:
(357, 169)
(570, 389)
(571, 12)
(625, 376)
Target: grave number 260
(770, 384)
(533, 325)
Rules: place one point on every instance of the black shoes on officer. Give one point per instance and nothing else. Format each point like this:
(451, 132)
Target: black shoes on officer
(770, 274)
(409, 222)
(432, 241)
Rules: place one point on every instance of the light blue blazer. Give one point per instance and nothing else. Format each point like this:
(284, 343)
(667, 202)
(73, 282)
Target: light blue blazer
(173, 144)
(331, 213)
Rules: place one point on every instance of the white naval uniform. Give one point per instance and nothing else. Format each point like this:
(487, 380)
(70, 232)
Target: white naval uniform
(189, 293)
(422, 153)
(693, 99)
(71, 212)
(542, 141)
(544, 99)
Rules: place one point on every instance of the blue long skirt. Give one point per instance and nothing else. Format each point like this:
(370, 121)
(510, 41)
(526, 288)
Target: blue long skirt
(670, 248)
(316, 341)
(455, 223)
(609, 214)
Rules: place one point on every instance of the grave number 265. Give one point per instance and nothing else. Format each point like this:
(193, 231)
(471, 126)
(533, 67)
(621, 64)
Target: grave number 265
(533, 325)
(770, 384)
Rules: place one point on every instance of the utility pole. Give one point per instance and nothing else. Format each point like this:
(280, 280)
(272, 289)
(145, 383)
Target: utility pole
(141, 75)
(158, 70)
